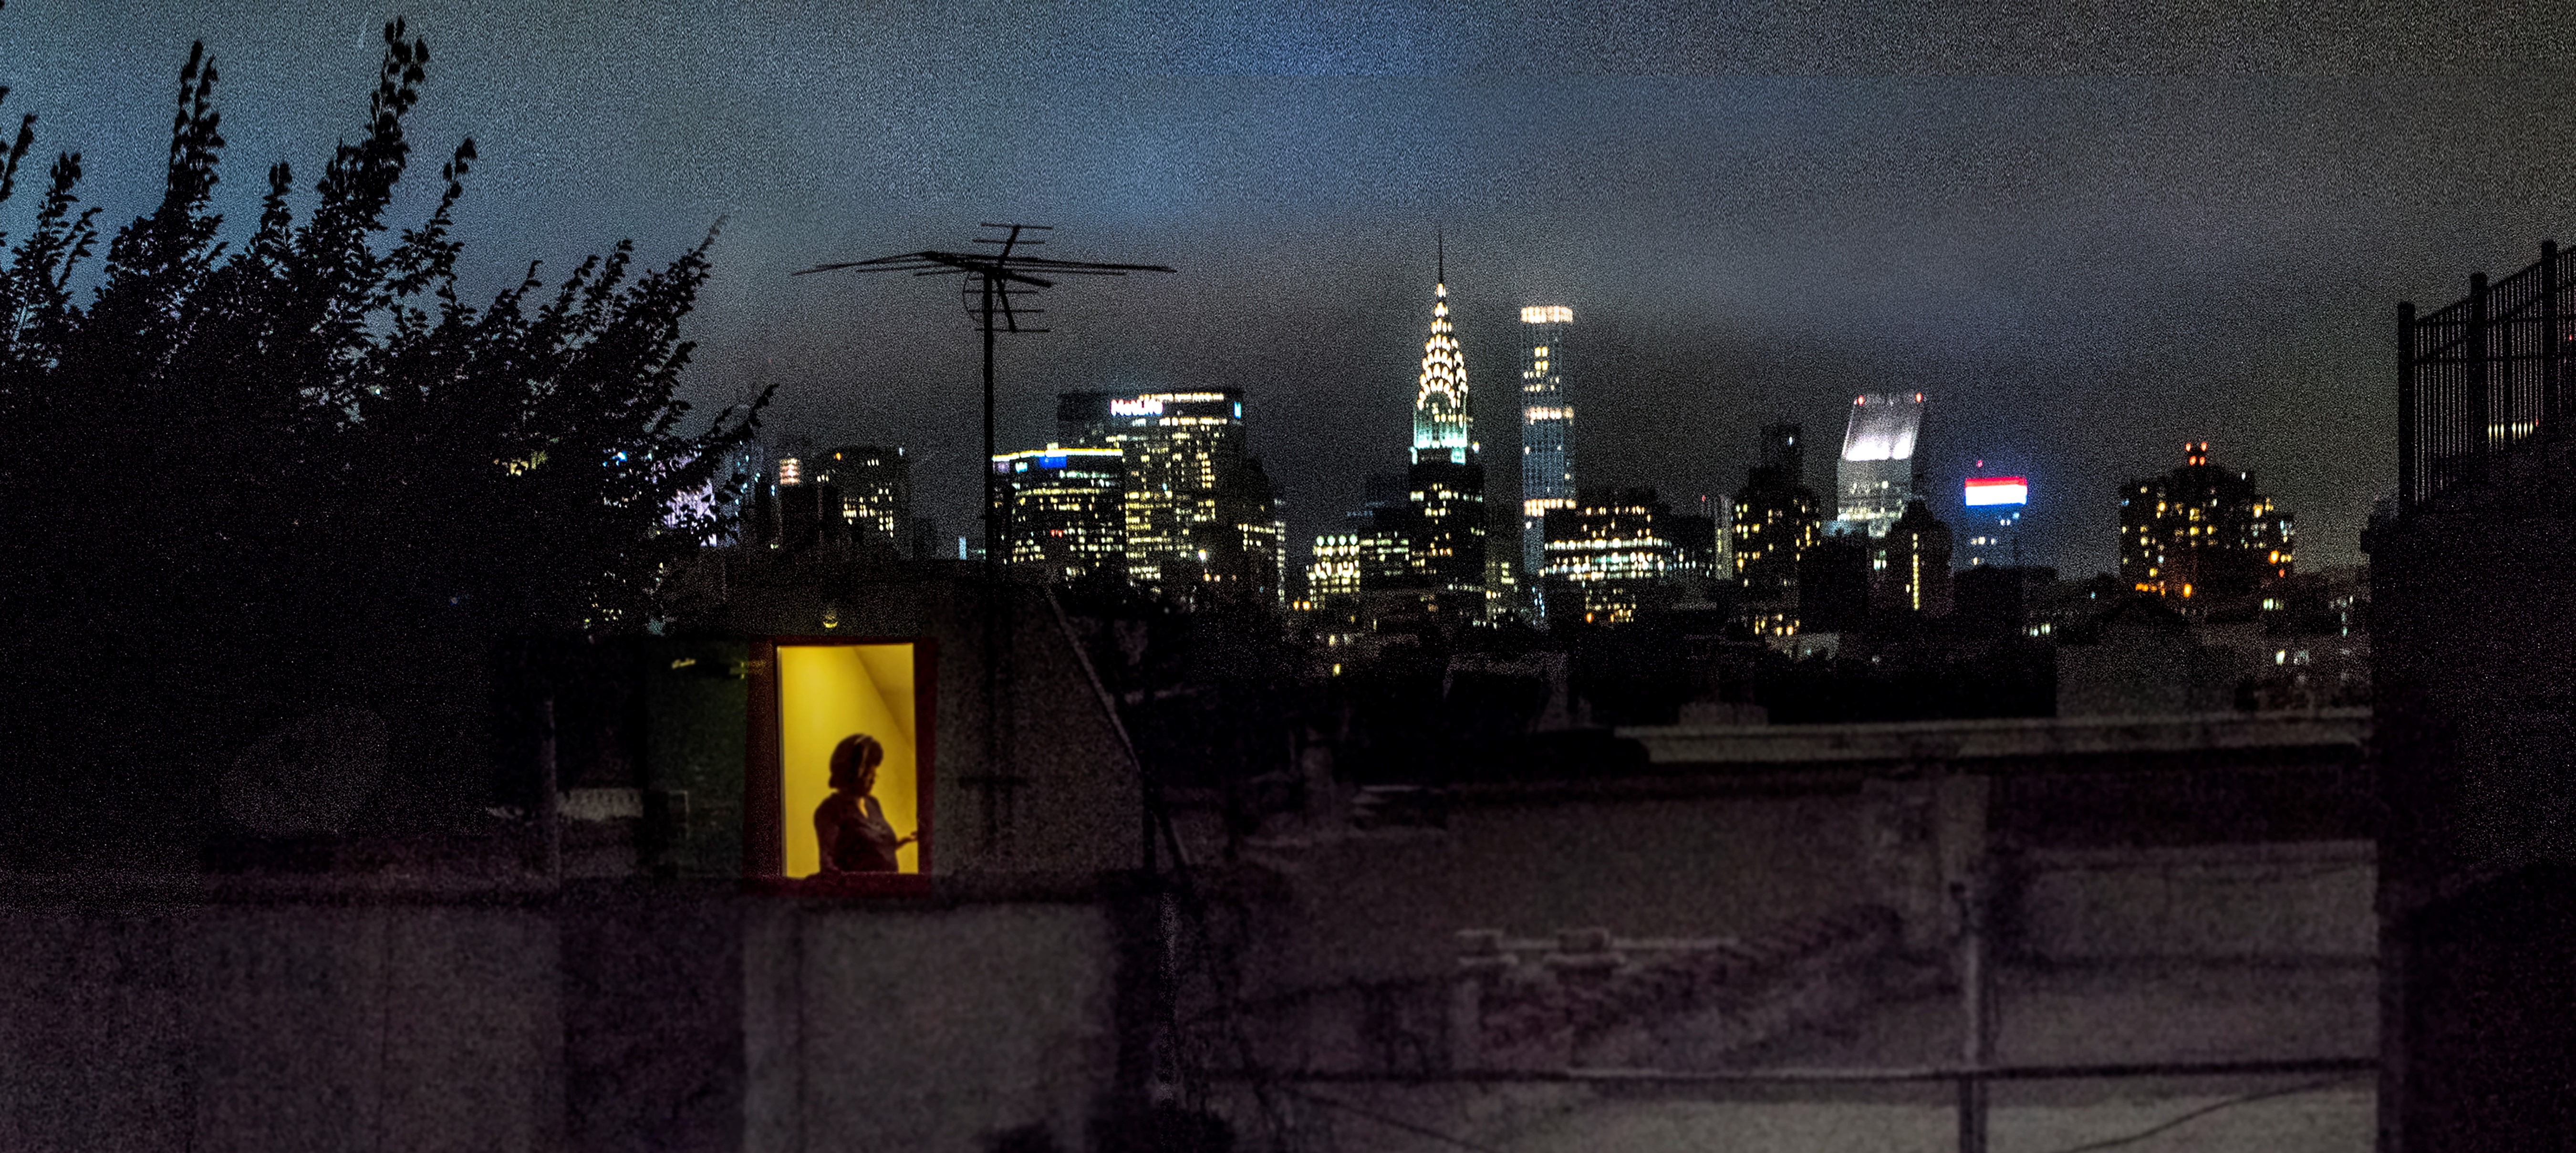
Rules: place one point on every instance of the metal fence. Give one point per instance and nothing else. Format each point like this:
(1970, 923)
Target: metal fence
(2481, 375)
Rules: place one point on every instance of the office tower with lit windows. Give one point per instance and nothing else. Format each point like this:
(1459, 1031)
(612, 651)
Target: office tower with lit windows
(1335, 570)
(1547, 429)
(1777, 517)
(1610, 557)
(1243, 549)
(1199, 509)
(1875, 476)
(1383, 526)
(875, 491)
(1912, 567)
(2201, 533)
(1446, 483)
(798, 504)
(1068, 517)
(1994, 506)
(1695, 538)
(1504, 586)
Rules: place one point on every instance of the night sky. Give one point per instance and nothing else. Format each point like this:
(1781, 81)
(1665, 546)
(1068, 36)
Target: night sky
(2088, 234)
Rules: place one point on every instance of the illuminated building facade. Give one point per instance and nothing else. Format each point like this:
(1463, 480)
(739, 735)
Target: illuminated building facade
(1244, 548)
(1446, 550)
(1335, 569)
(875, 487)
(1198, 508)
(1442, 427)
(1994, 506)
(1504, 585)
(2202, 532)
(799, 506)
(1068, 510)
(1547, 428)
(1610, 558)
(1446, 484)
(1383, 527)
(1875, 476)
(1777, 518)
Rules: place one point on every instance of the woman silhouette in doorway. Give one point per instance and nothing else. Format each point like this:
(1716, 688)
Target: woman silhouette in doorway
(849, 825)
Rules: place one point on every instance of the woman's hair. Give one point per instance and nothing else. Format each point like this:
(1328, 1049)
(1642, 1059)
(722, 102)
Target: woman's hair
(856, 756)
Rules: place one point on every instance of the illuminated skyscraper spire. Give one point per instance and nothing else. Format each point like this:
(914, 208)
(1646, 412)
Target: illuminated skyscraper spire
(1440, 421)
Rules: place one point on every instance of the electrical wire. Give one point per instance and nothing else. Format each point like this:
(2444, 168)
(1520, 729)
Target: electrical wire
(2172, 1123)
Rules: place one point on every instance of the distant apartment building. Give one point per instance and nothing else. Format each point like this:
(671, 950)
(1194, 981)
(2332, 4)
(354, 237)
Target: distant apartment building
(2202, 532)
(1335, 569)
(1382, 525)
(1994, 506)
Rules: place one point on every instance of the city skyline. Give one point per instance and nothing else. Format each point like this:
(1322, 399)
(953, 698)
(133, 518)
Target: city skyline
(524, 700)
(2044, 250)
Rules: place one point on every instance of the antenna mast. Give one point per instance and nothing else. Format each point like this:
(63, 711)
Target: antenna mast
(989, 281)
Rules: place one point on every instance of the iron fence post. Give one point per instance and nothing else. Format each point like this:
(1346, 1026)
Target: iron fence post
(2406, 440)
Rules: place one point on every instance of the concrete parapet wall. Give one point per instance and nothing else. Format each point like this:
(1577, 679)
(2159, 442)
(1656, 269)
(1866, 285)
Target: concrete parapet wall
(2213, 902)
(180, 1014)
(1587, 998)
(279, 1028)
(892, 1029)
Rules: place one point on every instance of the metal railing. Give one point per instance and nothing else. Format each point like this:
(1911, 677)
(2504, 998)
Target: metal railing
(2481, 375)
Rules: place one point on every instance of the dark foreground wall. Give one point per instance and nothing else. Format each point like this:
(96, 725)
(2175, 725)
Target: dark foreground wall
(2489, 985)
(620, 1017)
(2474, 640)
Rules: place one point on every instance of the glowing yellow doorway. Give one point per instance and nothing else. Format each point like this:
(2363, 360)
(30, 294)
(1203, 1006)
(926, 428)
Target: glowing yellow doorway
(825, 693)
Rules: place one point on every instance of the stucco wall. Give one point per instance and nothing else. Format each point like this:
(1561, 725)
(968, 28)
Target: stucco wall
(2288, 901)
(617, 1017)
(882, 1028)
(277, 1028)
(1378, 906)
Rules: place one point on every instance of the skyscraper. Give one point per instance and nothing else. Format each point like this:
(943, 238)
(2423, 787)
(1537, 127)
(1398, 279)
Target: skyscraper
(1196, 502)
(1994, 506)
(1068, 510)
(1383, 526)
(1446, 483)
(1442, 425)
(1610, 557)
(1776, 518)
(1875, 477)
(875, 493)
(1547, 428)
(1244, 546)
(1915, 577)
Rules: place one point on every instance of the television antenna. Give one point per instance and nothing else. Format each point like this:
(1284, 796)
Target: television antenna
(989, 284)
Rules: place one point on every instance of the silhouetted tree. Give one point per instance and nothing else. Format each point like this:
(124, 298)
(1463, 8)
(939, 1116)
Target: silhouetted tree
(240, 477)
